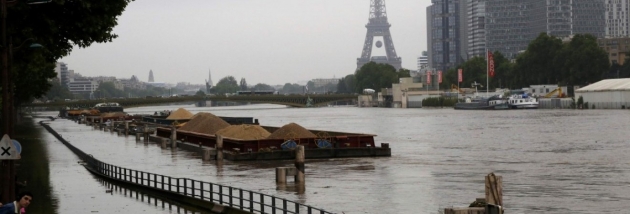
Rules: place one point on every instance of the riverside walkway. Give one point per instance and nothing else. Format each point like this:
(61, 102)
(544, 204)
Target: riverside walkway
(204, 195)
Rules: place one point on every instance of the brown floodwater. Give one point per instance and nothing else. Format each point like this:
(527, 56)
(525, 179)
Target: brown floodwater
(552, 161)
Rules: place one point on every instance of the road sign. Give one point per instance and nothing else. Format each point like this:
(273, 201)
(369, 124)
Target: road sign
(9, 149)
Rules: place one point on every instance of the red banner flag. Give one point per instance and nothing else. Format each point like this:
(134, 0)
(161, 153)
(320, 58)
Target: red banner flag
(428, 77)
(490, 64)
(439, 76)
(459, 75)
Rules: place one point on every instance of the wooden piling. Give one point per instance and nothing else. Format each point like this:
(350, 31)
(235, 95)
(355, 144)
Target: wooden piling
(299, 164)
(163, 143)
(207, 154)
(138, 136)
(126, 128)
(173, 137)
(494, 189)
(281, 175)
(219, 144)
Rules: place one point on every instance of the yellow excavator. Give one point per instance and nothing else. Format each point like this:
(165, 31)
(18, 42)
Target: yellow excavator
(455, 88)
(557, 91)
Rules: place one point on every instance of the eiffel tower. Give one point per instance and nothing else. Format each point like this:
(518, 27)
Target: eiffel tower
(378, 26)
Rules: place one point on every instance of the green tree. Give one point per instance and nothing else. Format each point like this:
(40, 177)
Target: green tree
(586, 62)
(624, 71)
(58, 26)
(614, 71)
(503, 72)
(474, 70)
(227, 85)
(289, 88)
(403, 73)
(351, 82)
(108, 90)
(200, 93)
(375, 76)
(263, 87)
(341, 86)
(243, 85)
(58, 91)
(541, 63)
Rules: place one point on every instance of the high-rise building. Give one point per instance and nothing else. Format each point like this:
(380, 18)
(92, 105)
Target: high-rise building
(445, 45)
(476, 34)
(423, 61)
(512, 24)
(617, 18)
(82, 86)
(618, 49)
(63, 74)
(508, 27)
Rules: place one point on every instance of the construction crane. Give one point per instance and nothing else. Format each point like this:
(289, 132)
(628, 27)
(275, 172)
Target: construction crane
(558, 91)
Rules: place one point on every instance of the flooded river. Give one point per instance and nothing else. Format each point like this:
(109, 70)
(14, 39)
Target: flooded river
(552, 161)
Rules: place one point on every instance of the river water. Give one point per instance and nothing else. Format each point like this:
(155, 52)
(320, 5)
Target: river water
(552, 161)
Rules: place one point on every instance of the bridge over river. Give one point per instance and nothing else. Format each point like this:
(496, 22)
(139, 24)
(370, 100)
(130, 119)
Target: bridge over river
(289, 100)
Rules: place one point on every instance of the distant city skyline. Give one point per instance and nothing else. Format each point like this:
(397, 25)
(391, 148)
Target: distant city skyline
(271, 42)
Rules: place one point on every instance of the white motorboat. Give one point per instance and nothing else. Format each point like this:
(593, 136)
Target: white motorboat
(522, 101)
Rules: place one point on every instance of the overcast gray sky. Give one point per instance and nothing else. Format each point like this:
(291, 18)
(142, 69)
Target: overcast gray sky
(263, 41)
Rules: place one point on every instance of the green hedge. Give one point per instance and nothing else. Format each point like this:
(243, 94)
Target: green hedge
(439, 102)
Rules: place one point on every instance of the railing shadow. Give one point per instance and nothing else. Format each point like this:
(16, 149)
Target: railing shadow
(157, 201)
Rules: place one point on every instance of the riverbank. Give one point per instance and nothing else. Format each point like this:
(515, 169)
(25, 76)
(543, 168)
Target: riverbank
(34, 168)
(61, 185)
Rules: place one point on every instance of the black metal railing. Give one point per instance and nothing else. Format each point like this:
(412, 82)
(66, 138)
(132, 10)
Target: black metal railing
(225, 195)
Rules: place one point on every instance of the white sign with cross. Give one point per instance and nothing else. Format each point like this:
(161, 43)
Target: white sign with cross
(9, 149)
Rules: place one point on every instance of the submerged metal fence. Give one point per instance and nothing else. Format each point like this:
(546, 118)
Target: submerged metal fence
(555, 103)
(568, 103)
(225, 195)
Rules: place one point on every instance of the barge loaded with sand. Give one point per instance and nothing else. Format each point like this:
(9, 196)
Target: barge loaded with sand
(181, 116)
(255, 142)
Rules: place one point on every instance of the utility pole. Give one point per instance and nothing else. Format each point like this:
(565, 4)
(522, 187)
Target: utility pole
(8, 166)
(7, 169)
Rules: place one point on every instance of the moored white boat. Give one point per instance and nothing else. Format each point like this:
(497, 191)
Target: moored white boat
(522, 101)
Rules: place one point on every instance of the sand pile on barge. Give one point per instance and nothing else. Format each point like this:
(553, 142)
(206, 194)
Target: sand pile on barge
(180, 114)
(244, 132)
(113, 114)
(291, 130)
(204, 123)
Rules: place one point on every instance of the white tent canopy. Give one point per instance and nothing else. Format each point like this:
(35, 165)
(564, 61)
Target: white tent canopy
(610, 94)
(608, 85)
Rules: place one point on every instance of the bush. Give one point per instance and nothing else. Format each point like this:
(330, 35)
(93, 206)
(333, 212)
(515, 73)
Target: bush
(439, 102)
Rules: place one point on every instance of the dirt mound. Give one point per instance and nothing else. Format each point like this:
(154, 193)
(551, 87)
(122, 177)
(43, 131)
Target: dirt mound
(205, 123)
(179, 114)
(291, 130)
(113, 114)
(245, 132)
